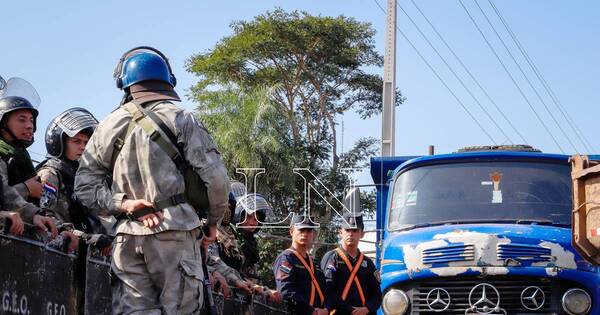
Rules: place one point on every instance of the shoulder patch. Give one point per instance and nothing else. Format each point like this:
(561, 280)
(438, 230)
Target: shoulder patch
(283, 271)
(285, 267)
(49, 196)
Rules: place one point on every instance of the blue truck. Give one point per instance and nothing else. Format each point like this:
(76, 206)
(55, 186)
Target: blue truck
(485, 230)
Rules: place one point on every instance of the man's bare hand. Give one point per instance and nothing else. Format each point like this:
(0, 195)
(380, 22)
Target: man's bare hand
(73, 240)
(35, 187)
(274, 296)
(210, 235)
(152, 220)
(320, 311)
(45, 224)
(360, 311)
(16, 223)
(244, 286)
(135, 205)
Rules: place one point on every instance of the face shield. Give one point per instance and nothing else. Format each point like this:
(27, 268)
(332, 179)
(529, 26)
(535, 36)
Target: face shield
(20, 88)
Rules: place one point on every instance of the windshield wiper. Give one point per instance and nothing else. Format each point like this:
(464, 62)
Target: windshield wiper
(542, 222)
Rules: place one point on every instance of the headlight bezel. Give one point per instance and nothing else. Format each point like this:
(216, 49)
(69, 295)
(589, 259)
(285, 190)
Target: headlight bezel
(571, 291)
(402, 295)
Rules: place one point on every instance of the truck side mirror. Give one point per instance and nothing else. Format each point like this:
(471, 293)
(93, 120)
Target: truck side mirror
(585, 221)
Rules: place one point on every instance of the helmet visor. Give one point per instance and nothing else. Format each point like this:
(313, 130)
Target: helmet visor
(75, 120)
(21, 88)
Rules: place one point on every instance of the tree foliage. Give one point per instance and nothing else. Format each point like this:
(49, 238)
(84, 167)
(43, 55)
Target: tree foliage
(271, 94)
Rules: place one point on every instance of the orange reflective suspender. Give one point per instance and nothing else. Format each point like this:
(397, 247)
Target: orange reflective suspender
(315, 283)
(352, 277)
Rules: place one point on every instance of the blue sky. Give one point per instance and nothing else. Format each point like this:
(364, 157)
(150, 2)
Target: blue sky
(68, 50)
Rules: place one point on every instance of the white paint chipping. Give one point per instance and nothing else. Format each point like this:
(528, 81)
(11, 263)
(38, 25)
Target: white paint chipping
(485, 255)
(564, 258)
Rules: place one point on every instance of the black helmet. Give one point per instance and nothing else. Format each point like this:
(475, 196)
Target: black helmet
(10, 104)
(69, 123)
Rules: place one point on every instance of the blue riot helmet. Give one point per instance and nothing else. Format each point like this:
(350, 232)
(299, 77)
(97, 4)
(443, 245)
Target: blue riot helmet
(143, 64)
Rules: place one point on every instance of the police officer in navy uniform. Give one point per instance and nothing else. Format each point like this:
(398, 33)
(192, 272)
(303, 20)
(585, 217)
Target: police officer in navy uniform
(299, 279)
(352, 281)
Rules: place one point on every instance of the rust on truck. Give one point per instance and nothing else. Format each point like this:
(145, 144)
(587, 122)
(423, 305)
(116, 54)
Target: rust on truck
(585, 174)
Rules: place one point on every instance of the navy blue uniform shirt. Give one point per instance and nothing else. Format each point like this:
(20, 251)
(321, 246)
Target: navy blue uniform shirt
(294, 282)
(336, 276)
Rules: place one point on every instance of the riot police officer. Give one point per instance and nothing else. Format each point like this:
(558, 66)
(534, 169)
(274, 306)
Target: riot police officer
(299, 279)
(237, 245)
(66, 138)
(137, 166)
(352, 281)
(17, 126)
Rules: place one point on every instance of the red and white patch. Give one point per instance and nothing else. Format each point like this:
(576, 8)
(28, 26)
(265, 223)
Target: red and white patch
(595, 232)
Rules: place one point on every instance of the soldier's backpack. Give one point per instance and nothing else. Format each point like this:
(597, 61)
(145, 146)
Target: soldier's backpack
(195, 188)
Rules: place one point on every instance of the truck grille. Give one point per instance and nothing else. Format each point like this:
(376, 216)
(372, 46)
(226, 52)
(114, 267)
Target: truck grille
(450, 253)
(524, 253)
(509, 289)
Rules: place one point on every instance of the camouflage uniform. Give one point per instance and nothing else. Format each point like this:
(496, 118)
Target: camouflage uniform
(12, 201)
(160, 274)
(238, 250)
(55, 202)
(15, 195)
(215, 263)
(16, 166)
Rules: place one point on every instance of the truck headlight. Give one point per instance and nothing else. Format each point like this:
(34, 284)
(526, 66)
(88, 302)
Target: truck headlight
(395, 302)
(576, 302)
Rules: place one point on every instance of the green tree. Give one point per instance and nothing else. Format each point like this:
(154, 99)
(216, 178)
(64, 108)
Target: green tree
(271, 94)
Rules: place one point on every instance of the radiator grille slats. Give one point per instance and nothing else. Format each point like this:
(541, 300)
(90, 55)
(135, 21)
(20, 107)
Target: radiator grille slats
(524, 253)
(510, 290)
(449, 253)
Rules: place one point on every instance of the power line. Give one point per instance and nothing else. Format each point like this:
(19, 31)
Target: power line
(545, 84)
(511, 76)
(526, 77)
(440, 78)
(455, 74)
(470, 74)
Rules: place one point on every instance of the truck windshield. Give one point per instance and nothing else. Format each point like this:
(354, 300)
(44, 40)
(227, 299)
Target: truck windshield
(482, 192)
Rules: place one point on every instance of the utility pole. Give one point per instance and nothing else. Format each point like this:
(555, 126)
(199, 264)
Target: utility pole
(389, 83)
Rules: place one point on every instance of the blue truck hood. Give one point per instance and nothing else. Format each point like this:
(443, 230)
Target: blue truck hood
(470, 249)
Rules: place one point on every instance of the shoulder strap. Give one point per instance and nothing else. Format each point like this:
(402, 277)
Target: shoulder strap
(353, 277)
(311, 271)
(143, 118)
(119, 142)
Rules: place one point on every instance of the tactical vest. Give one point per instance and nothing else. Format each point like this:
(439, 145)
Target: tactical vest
(66, 171)
(196, 193)
(19, 164)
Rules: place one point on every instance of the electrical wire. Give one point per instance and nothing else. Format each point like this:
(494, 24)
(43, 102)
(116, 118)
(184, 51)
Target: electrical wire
(483, 90)
(440, 78)
(539, 118)
(455, 74)
(527, 78)
(545, 84)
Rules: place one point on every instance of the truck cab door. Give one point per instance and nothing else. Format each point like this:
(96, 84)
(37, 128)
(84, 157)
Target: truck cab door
(585, 174)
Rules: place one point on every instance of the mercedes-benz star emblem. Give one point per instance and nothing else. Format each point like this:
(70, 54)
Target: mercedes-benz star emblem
(533, 298)
(484, 298)
(438, 300)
